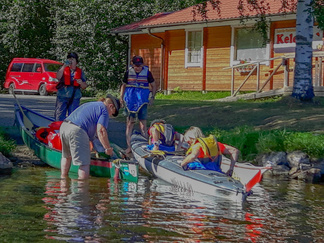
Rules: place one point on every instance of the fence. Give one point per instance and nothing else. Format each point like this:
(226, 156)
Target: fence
(254, 67)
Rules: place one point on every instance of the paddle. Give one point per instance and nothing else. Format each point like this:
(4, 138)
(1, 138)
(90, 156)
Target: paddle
(28, 124)
(256, 179)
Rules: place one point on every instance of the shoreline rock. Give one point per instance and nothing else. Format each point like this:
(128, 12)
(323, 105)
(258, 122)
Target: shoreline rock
(293, 165)
(6, 165)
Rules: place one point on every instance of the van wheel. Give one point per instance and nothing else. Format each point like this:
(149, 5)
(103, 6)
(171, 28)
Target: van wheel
(11, 88)
(42, 90)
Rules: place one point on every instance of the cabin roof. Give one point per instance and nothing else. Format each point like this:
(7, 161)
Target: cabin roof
(225, 10)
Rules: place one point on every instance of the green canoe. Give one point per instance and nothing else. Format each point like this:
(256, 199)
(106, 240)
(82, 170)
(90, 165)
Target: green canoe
(28, 120)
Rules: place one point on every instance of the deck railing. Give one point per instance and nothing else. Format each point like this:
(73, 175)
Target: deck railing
(254, 68)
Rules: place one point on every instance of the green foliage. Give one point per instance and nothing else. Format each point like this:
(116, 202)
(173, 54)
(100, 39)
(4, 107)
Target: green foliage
(52, 28)
(318, 12)
(252, 142)
(26, 30)
(309, 143)
(243, 138)
(271, 141)
(7, 145)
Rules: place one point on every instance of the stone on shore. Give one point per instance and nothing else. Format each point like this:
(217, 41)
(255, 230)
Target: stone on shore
(5, 165)
(293, 165)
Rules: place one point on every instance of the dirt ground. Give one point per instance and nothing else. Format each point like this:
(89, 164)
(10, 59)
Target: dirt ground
(24, 157)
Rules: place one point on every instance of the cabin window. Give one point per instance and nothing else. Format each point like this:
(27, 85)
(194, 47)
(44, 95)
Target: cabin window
(194, 48)
(249, 46)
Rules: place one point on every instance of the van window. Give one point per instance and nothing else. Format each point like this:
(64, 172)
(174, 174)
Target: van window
(51, 67)
(16, 67)
(28, 67)
(38, 68)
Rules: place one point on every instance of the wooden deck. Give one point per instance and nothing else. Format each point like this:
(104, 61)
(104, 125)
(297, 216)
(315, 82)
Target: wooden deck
(318, 90)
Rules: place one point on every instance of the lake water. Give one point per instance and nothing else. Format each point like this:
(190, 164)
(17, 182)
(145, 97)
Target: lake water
(36, 206)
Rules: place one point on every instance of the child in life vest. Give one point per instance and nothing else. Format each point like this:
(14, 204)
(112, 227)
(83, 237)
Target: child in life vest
(208, 151)
(162, 136)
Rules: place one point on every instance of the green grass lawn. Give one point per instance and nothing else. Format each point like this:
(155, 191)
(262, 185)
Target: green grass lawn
(191, 109)
(254, 127)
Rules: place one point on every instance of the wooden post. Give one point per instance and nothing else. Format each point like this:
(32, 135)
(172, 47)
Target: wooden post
(258, 77)
(318, 71)
(321, 71)
(232, 82)
(285, 62)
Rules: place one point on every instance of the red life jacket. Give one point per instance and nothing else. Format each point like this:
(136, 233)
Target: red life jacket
(42, 133)
(55, 125)
(54, 140)
(67, 76)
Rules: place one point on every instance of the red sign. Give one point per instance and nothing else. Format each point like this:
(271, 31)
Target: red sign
(285, 39)
(281, 38)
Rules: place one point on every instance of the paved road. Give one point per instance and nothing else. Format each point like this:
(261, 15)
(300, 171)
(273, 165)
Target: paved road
(46, 105)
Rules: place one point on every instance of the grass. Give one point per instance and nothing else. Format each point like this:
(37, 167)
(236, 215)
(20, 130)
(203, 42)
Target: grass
(254, 127)
(192, 95)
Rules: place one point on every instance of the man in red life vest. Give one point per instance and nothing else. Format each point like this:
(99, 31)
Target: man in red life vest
(71, 81)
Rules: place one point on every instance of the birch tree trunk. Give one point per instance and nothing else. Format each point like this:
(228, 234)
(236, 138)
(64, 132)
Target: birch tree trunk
(303, 86)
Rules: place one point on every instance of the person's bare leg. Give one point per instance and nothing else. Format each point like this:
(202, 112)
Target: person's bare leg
(65, 167)
(129, 130)
(143, 127)
(83, 172)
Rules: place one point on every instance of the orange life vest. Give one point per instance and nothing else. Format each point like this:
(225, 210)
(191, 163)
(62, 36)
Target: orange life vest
(67, 76)
(42, 133)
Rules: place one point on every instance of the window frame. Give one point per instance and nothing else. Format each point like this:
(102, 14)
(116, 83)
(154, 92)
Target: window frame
(21, 64)
(194, 64)
(234, 62)
(26, 64)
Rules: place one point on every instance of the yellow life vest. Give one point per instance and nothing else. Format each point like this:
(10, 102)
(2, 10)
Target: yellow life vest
(166, 133)
(209, 147)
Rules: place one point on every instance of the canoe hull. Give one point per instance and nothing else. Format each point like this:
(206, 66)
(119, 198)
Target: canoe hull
(168, 169)
(52, 157)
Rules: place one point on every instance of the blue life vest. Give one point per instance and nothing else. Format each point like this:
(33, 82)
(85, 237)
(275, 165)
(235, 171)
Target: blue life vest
(137, 89)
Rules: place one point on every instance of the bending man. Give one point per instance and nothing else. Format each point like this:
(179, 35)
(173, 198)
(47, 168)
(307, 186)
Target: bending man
(80, 128)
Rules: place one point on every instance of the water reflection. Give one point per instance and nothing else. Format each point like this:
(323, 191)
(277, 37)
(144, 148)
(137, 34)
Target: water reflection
(70, 211)
(102, 210)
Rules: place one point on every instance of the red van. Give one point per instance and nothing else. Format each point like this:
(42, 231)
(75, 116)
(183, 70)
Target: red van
(32, 75)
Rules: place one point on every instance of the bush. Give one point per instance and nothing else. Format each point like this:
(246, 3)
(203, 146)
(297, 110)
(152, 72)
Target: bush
(252, 142)
(7, 145)
(271, 141)
(311, 144)
(243, 138)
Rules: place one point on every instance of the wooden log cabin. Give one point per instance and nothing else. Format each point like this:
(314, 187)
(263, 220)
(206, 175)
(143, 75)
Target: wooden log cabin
(184, 50)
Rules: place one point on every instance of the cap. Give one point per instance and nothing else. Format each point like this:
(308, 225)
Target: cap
(137, 60)
(73, 55)
(115, 102)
